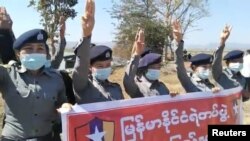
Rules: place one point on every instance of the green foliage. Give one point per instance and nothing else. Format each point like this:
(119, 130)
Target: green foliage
(155, 16)
(132, 14)
(51, 10)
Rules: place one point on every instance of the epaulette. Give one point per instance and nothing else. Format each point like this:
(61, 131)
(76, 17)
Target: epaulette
(7, 66)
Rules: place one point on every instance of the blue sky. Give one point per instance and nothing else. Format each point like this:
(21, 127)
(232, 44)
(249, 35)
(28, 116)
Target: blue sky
(234, 12)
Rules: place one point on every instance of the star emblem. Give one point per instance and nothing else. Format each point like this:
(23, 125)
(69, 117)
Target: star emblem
(97, 136)
(235, 108)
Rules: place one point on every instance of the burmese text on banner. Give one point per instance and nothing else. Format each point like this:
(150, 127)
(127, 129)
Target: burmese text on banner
(159, 118)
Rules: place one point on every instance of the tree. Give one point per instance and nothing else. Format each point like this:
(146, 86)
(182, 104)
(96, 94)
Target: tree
(156, 17)
(50, 11)
(132, 14)
(188, 12)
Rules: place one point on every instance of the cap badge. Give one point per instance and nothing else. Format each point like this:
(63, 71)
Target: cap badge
(107, 55)
(40, 36)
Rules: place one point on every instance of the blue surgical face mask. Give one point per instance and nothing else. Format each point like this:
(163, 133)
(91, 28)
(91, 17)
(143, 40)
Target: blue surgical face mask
(33, 61)
(235, 67)
(102, 74)
(47, 64)
(153, 74)
(203, 73)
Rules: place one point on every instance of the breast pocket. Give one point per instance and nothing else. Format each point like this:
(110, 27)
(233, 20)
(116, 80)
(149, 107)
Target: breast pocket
(49, 97)
(23, 90)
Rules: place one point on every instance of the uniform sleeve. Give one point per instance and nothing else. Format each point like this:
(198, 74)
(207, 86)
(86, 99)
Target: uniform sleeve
(181, 70)
(7, 39)
(129, 78)
(165, 88)
(81, 68)
(121, 95)
(58, 57)
(3, 74)
(217, 68)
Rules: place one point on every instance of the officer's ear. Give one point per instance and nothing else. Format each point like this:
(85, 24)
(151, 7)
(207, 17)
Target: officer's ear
(90, 69)
(17, 53)
(193, 67)
(227, 62)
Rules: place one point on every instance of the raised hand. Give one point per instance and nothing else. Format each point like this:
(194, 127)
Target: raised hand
(139, 42)
(174, 93)
(177, 31)
(5, 20)
(66, 107)
(62, 25)
(225, 33)
(216, 90)
(88, 20)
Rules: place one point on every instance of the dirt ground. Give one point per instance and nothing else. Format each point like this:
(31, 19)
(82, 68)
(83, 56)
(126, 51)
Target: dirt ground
(168, 77)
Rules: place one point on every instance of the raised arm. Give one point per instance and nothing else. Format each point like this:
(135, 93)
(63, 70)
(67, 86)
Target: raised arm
(129, 78)
(7, 37)
(4, 69)
(217, 68)
(181, 70)
(81, 68)
(58, 56)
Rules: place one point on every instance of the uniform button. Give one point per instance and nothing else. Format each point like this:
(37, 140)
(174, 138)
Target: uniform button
(35, 114)
(53, 98)
(36, 130)
(37, 97)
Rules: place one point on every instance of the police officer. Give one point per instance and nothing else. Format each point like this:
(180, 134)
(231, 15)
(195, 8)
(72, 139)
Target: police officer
(229, 77)
(246, 72)
(200, 65)
(32, 93)
(93, 67)
(141, 78)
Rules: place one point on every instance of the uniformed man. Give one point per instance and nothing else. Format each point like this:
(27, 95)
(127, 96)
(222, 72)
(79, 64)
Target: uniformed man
(200, 65)
(32, 93)
(230, 77)
(141, 78)
(93, 67)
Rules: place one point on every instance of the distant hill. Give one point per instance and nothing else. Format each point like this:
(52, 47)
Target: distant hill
(72, 44)
(213, 46)
(210, 46)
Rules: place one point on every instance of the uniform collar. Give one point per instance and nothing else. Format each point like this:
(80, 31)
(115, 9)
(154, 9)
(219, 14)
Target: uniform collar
(196, 78)
(46, 71)
(101, 82)
(147, 82)
(231, 73)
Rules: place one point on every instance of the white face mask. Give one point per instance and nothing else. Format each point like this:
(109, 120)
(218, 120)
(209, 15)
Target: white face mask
(235, 67)
(246, 66)
(203, 73)
(153, 74)
(102, 74)
(47, 64)
(33, 61)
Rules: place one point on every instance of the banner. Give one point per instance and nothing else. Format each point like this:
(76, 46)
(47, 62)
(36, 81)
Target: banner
(158, 118)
